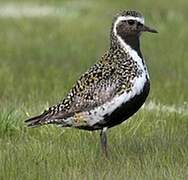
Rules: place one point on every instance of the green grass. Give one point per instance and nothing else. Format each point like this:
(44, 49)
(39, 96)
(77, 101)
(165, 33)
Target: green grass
(40, 59)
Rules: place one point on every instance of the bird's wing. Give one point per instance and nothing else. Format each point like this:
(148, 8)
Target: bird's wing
(94, 88)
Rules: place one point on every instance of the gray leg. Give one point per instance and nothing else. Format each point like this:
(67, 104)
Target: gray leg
(103, 138)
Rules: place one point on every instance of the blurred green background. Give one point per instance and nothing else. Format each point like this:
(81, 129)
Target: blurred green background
(45, 46)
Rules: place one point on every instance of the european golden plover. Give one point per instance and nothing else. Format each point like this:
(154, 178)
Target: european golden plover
(112, 90)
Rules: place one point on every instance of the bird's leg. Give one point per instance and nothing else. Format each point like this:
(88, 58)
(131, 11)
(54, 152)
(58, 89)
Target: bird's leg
(103, 138)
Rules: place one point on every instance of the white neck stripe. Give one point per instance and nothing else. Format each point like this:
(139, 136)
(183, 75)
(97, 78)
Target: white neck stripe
(127, 48)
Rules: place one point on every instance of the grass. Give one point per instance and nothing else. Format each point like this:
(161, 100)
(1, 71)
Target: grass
(40, 59)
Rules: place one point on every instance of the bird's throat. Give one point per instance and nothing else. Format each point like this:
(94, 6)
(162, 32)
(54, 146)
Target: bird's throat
(134, 42)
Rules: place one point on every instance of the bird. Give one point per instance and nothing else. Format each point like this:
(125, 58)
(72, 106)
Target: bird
(112, 90)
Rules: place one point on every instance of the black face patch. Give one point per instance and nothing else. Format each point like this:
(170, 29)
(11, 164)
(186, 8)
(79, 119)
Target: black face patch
(129, 31)
(126, 28)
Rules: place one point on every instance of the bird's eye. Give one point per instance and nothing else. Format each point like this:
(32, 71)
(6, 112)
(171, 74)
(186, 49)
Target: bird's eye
(140, 24)
(131, 22)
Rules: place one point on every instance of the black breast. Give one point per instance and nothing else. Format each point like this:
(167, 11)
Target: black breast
(122, 113)
(127, 109)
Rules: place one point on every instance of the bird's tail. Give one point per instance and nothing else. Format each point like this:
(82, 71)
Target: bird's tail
(40, 120)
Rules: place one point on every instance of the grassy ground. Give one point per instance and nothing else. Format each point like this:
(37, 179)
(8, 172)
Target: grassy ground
(41, 57)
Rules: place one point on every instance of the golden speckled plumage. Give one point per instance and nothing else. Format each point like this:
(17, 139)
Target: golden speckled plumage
(111, 75)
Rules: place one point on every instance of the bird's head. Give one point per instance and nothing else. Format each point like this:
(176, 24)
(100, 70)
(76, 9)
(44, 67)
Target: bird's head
(130, 23)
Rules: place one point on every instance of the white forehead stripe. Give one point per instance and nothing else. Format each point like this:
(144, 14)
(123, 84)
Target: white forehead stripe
(125, 18)
(139, 19)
